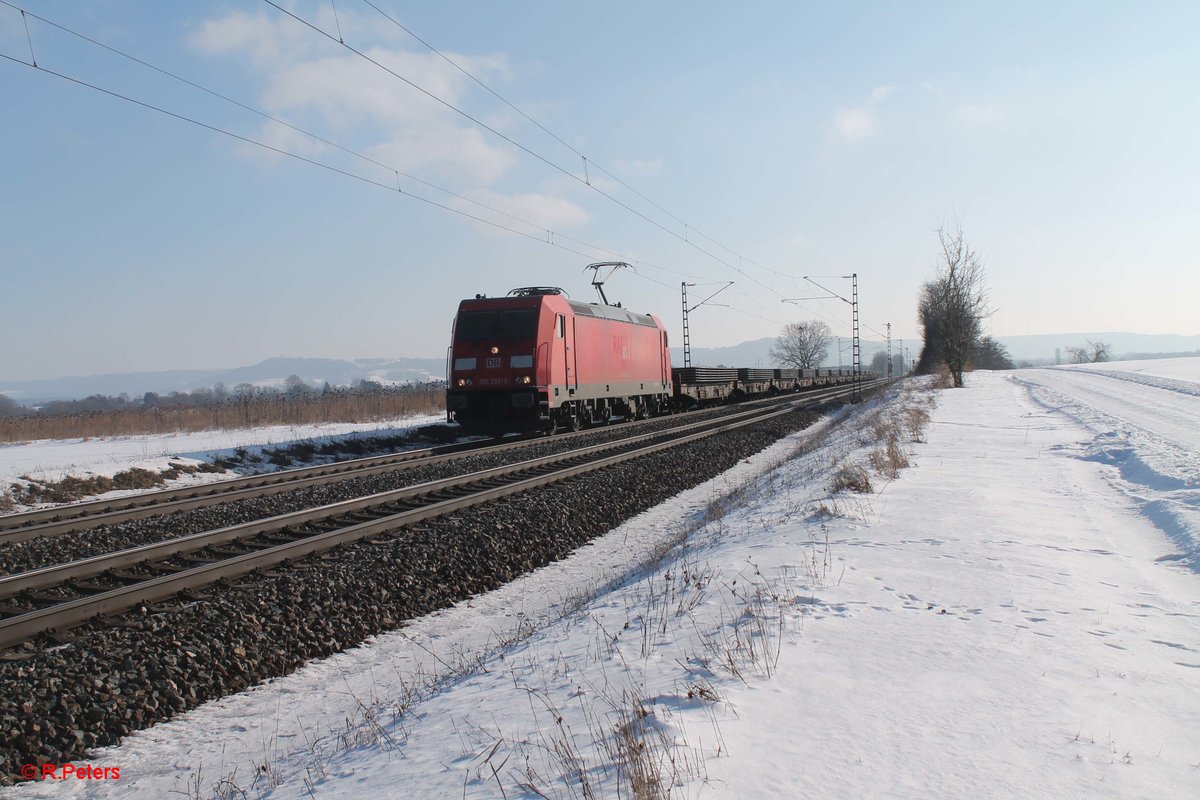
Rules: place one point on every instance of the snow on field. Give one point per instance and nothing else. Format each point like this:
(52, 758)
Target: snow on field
(1004, 619)
(1162, 372)
(1147, 427)
(55, 459)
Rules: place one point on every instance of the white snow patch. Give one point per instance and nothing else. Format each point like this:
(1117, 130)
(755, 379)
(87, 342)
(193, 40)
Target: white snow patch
(1003, 620)
(1167, 373)
(55, 459)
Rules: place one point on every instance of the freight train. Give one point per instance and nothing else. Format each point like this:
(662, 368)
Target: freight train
(536, 360)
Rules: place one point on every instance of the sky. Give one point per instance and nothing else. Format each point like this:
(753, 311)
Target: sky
(755, 143)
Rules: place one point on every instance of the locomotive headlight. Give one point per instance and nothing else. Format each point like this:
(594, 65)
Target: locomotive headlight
(462, 381)
(524, 380)
(495, 349)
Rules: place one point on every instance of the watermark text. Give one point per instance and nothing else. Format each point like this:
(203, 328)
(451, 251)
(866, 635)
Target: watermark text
(65, 772)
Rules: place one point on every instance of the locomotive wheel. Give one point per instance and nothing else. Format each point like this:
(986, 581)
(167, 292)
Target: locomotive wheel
(576, 423)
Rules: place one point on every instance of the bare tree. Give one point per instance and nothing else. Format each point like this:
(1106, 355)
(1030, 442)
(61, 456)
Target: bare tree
(952, 307)
(1091, 353)
(879, 363)
(802, 345)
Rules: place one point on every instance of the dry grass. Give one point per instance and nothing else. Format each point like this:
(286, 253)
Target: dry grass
(888, 460)
(641, 751)
(248, 413)
(893, 424)
(942, 379)
(916, 418)
(850, 477)
(624, 738)
(70, 489)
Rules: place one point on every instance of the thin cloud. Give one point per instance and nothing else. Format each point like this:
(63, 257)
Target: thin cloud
(857, 123)
(639, 167)
(854, 124)
(978, 116)
(543, 211)
(320, 86)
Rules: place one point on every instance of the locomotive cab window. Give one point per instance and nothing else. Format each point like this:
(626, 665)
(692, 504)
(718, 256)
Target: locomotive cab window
(518, 323)
(561, 326)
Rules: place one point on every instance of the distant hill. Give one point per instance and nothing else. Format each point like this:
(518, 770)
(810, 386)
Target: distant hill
(1037, 348)
(339, 372)
(756, 353)
(272, 372)
(1041, 347)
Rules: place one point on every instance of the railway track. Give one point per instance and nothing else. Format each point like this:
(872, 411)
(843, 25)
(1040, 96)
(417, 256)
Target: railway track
(82, 516)
(56, 598)
(78, 516)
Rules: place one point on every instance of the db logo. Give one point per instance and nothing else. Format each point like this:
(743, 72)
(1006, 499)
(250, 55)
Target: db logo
(492, 363)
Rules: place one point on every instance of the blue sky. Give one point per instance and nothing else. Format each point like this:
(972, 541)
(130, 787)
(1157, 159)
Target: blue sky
(808, 139)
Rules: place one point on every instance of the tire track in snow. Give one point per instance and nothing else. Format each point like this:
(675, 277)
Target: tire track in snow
(1160, 474)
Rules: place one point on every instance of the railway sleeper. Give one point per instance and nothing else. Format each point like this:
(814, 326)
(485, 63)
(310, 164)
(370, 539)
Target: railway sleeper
(7, 611)
(92, 587)
(321, 526)
(52, 596)
(234, 549)
(197, 558)
(285, 536)
(58, 638)
(127, 577)
(154, 569)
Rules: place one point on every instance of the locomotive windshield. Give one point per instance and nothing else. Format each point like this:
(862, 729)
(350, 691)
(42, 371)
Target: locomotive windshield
(518, 323)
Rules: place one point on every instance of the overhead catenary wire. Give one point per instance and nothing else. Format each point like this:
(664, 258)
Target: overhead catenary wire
(284, 123)
(518, 145)
(28, 38)
(313, 162)
(549, 235)
(282, 152)
(583, 157)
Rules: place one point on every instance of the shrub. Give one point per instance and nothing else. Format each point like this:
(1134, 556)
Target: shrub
(851, 477)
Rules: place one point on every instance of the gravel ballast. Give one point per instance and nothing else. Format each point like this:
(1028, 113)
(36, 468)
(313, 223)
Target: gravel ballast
(61, 701)
(17, 557)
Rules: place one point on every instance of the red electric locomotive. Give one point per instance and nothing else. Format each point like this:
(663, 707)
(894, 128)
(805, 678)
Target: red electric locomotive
(536, 360)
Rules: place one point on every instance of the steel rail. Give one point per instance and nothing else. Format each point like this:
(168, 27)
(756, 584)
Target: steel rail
(63, 519)
(80, 516)
(45, 577)
(20, 628)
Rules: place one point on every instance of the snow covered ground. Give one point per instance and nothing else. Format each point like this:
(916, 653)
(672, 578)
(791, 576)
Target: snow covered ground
(1016, 615)
(1180, 369)
(55, 459)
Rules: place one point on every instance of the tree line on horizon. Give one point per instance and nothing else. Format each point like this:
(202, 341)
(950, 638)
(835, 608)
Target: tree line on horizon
(246, 405)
